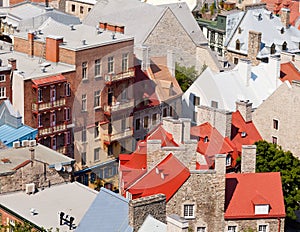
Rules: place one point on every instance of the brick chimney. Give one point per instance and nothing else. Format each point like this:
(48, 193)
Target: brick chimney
(13, 63)
(245, 108)
(140, 208)
(285, 17)
(220, 164)
(254, 43)
(177, 224)
(30, 43)
(248, 163)
(52, 48)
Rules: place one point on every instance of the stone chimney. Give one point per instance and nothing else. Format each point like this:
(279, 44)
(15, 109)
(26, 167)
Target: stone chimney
(13, 63)
(32, 154)
(186, 129)
(220, 164)
(220, 119)
(244, 70)
(245, 108)
(285, 17)
(171, 62)
(31, 43)
(140, 208)
(52, 48)
(154, 153)
(177, 224)
(175, 127)
(254, 43)
(248, 162)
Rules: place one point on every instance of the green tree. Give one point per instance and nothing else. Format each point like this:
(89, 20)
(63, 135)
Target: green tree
(185, 76)
(271, 158)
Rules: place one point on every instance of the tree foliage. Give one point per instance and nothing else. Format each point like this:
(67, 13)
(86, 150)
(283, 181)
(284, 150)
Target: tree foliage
(271, 158)
(185, 76)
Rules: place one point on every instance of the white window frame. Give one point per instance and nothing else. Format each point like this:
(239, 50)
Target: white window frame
(97, 68)
(67, 89)
(97, 154)
(2, 92)
(110, 64)
(260, 229)
(2, 78)
(189, 211)
(228, 160)
(201, 229)
(83, 102)
(97, 99)
(125, 62)
(84, 74)
(67, 114)
(232, 228)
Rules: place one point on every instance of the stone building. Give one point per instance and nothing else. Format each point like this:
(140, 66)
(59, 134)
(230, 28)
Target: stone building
(31, 163)
(277, 118)
(162, 28)
(78, 8)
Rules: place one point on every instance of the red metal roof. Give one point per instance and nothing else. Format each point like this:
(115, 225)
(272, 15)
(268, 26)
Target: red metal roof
(49, 80)
(166, 177)
(288, 72)
(211, 142)
(166, 138)
(239, 126)
(245, 190)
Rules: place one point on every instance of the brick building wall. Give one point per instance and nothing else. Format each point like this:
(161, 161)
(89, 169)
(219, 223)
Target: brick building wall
(6, 84)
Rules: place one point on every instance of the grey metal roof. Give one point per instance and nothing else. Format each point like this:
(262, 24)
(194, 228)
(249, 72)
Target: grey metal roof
(28, 15)
(71, 198)
(21, 154)
(9, 134)
(140, 18)
(152, 225)
(108, 212)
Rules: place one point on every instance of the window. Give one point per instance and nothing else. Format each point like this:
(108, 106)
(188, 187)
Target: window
(109, 150)
(123, 124)
(83, 102)
(228, 160)
(96, 154)
(68, 137)
(273, 49)
(196, 101)
(2, 78)
(201, 229)
(274, 140)
(206, 140)
(83, 158)
(125, 62)
(146, 122)
(96, 130)
(73, 8)
(220, 39)
(282, 30)
(137, 124)
(232, 229)
(83, 134)
(98, 68)
(84, 70)
(89, 9)
(124, 92)
(39, 120)
(194, 116)
(97, 98)
(40, 98)
(262, 228)
(214, 104)
(275, 124)
(81, 9)
(236, 60)
(240, 30)
(67, 89)
(110, 64)
(188, 211)
(154, 119)
(212, 37)
(67, 114)
(237, 45)
(93, 177)
(165, 114)
(284, 46)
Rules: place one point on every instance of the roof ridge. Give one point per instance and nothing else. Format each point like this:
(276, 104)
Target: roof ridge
(114, 194)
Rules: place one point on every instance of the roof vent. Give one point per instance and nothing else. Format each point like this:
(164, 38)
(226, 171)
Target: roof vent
(25, 143)
(162, 176)
(157, 170)
(113, 35)
(72, 27)
(83, 42)
(30, 188)
(243, 134)
(32, 143)
(33, 211)
(16, 144)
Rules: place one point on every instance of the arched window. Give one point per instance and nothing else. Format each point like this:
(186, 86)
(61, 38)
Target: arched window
(284, 46)
(273, 49)
(237, 45)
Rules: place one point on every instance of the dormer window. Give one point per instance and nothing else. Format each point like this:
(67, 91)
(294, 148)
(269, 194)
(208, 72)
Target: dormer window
(259, 17)
(228, 160)
(206, 139)
(262, 209)
(282, 30)
(237, 45)
(273, 49)
(284, 46)
(240, 30)
(243, 134)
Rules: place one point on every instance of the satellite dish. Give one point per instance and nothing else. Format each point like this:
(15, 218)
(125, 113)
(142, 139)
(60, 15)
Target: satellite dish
(69, 169)
(58, 167)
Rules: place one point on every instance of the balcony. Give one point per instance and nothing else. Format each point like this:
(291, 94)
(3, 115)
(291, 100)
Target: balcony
(118, 135)
(48, 105)
(125, 104)
(117, 77)
(53, 129)
(62, 150)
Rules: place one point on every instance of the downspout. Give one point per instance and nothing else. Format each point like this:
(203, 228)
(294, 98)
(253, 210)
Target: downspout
(279, 224)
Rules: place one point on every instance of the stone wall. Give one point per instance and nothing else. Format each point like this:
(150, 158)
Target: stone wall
(275, 224)
(34, 172)
(284, 106)
(248, 159)
(140, 208)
